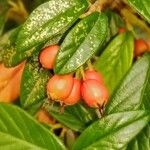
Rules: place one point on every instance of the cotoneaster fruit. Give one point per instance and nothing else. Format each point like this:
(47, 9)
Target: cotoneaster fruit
(141, 46)
(121, 30)
(59, 87)
(48, 55)
(93, 74)
(94, 93)
(75, 94)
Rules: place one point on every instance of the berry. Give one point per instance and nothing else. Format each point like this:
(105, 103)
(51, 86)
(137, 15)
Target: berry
(44, 117)
(59, 87)
(121, 30)
(94, 93)
(92, 74)
(75, 94)
(141, 46)
(48, 55)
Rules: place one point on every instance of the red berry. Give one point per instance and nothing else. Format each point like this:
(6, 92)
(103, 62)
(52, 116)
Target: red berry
(121, 30)
(92, 74)
(75, 94)
(59, 87)
(141, 46)
(94, 93)
(48, 55)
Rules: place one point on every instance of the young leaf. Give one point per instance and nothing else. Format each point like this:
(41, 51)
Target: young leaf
(76, 117)
(133, 92)
(81, 43)
(19, 131)
(116, 60)
(142, 7)
(33, 84)
(113, 131)
(142, 141)
(48, 20)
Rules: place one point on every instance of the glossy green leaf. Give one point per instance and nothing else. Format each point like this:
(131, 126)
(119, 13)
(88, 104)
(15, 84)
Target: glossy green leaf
(142, 7)
(33, 83)
(81, 43)
(3, 12)
(142, 141)
(112, 132)
(48, 20)
(53, 41)
(133, 92)
(33, 4)
(11, 57)
(116, 60)
(76, 117)
(19, 131)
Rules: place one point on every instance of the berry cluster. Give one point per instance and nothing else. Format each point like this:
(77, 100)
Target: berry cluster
(68, 90)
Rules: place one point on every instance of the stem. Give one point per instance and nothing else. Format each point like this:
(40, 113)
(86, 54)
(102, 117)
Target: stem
(63, 132)
(90, 66)
(56, 126)
(82, 72)
(77, 74)
(97, 6)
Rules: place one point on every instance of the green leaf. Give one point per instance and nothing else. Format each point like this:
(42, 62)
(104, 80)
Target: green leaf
(33, 109)
(112, 132)
(54, 40)
(10, 57)
(116, 60)
(76, 117)
(48, 20)
(133, 92)
(142, 141)
(19, 131)
(81, 43)
(33, 83)
(142, 7)
(115, 22)
(3, 12)
(3, 41)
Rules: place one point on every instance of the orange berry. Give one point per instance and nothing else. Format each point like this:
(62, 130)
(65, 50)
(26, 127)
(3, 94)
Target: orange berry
(92, 74)
(141, 46)
(59, 87)
(75, 94)
(94, 93)
(48, 55)
(121, 30)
